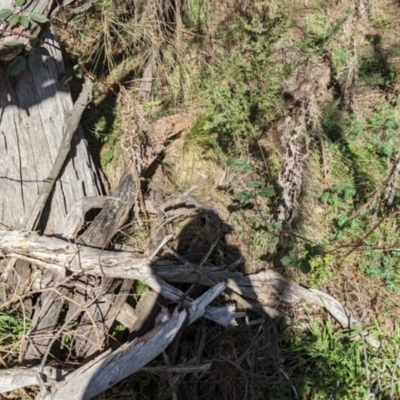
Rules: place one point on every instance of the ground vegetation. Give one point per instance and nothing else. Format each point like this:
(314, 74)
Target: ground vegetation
(292, 135)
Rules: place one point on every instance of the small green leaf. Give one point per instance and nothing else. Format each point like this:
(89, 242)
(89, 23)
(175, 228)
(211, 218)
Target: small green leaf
(287, 261)
(254, 184)
(24, 21)
(276, 224)
(342, 221)
(246, 169)
(305, 266)
(14, 20)
(233, 162)
(34, 63)
(16, 66)
(244, 196)
(317, 251)
(4, 14)
(14, 45)
(266, 192)
(40, 18)
(20, 2)
(41, 51)
(33, 41)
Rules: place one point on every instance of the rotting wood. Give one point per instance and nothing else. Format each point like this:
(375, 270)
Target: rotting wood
(129, 358)
(263, 286)
(58, 255)
(35, 111)
(106, 370)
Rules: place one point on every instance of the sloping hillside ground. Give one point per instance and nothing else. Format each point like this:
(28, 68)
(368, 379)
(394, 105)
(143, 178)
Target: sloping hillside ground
(295, 144)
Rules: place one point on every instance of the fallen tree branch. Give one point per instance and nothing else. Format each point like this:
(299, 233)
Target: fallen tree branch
(178, 369)
(16, 378)
(102, 373)
(57, 254)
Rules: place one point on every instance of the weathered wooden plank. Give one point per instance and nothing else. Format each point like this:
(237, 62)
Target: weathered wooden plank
(110, 368)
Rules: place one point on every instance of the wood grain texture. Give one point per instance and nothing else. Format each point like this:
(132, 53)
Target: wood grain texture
(34, 113)
(265, 286)
(35, 109)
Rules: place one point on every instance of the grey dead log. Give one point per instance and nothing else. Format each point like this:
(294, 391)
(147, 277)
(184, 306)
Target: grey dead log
(59, 256)
(35, 109)
(265, 287)
(108, 369)
(16, 378)
(89, 381)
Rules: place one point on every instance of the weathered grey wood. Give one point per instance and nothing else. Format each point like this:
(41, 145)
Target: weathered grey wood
(91, 334)
(108, 369)
(47, 186)
(55, 253)
(89, 339)
(86, 383)
(76, 217)
(58, 255)
(16, 378)
(127, 316)
(34, 113)
(145, 310)
(261, 286)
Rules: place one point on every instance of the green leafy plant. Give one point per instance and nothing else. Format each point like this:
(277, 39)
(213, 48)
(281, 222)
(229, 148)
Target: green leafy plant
(11, 329)
(71, 73)
(292, 259)
(24, 20)
(254, 187)
(32, 58)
